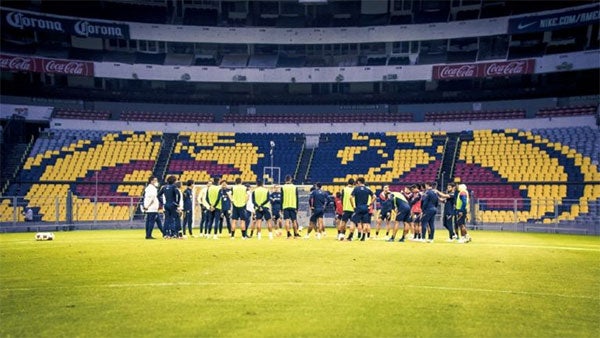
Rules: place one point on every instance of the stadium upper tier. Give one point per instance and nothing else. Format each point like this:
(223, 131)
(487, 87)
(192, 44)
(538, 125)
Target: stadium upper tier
(266, 48)
(290, 14)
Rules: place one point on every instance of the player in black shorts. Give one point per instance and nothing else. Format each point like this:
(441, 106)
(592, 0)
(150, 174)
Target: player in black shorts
(363, 198)
(400, 204)
(385, 212)
(317, 201)
(416, 211)
(348, 210)
(275, 199)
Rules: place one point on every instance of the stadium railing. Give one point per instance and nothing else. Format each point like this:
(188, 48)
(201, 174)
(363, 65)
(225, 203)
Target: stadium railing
(90, 213)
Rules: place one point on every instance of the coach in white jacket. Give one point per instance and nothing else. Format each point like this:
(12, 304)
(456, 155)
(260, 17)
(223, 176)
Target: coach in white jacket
(150, 207)
(204, 206)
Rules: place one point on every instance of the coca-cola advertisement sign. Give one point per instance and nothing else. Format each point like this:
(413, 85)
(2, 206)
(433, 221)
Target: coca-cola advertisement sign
(508, 68)
(455, 71)
(79, 68)
(488, 69)
(19, 63)
(40, 65)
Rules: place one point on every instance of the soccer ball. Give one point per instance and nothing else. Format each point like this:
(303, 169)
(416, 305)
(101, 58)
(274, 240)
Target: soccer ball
(44, 236)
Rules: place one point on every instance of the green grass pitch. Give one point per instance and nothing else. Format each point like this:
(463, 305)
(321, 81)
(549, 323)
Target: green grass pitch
(116, 284)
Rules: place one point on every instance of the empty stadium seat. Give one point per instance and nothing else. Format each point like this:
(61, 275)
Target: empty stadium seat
(63, 160)
(201, 156)
(545, 175)
(379, 157)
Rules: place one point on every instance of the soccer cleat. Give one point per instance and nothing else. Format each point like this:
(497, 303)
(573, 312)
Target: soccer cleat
(318, 235)
(401, 240)
(429, 241)
(270, 235)
(259, 236)
(215, 237)
(390, 239)
(386, 238)
(461, 241)
(306, 237)
(449, 240)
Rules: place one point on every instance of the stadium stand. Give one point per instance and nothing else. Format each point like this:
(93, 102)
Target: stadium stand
(81, 114)
(167, 116)
(200, 156)
(534, 168)
(567, 111)
(516, 175)
(234, 61)
(392, 157)
(468, 115)
(74, 160)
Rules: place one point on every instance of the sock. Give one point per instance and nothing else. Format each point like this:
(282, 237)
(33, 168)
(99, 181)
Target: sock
(232, 234)
(289, 234)
(350, 236)
(377, 233)
(251, 233)
(244, 233)
(368, 235)
(387, 233)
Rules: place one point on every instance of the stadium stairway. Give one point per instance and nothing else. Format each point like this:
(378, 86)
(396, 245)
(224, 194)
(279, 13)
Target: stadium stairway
(303, 165)
(448, 159)
(13, 155)
(164, 155)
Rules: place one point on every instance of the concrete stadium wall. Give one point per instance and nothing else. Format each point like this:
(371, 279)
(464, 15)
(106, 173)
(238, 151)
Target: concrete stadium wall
(317, 128)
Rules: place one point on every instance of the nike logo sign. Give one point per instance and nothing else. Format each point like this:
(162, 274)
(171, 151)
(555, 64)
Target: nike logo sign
(521, 26)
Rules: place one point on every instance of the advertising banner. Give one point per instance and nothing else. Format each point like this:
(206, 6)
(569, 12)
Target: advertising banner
(41, 65)
(48, 23)
(566, 19)
(487, 69)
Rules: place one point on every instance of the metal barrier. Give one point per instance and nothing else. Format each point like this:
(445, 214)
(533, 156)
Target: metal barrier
(537, 215)
(76, 212)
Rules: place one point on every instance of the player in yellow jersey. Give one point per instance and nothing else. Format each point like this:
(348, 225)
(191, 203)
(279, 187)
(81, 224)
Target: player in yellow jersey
(289, 204)
(262, 208)
(239, 197)
(347, 207)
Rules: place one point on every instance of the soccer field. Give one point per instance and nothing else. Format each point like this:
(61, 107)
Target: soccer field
(116, 284)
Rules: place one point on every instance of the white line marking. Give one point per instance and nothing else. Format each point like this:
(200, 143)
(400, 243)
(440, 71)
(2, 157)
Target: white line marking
(298, 284)
(574, 248)
(444, 288)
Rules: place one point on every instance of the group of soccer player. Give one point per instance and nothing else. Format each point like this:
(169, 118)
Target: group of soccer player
(236, 206)
(244, 207)
(411, 210)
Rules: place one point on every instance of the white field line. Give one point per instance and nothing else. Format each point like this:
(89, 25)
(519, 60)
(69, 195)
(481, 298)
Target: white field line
(528, 246)
(297, 284)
